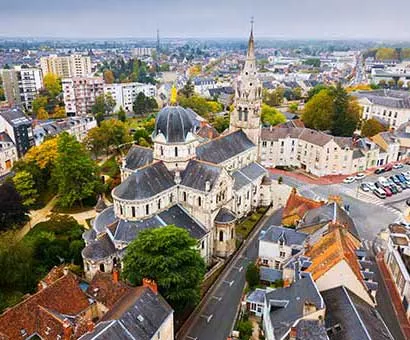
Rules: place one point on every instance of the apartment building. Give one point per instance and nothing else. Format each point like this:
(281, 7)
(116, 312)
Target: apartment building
(8, 153)
(126, 93)
(75, 65)
(21, 85)
(80, 93)
(389, 106)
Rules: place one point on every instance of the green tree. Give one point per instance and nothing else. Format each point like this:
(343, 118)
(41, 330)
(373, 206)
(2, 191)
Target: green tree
(26, 187)
(52, 83)
(275, 97)
(167, 255)
(372, 127)
(104, 103)
(386, 53)
(315, 90)
(139, 106)
(252, 275)
(315, 62)
(293, 107)
(221, 123)
(38, 103)
(122, 115)
(188, 89)
(318, 112)
(271, 116)
(12, 210)
(245, 329)
(75, 173)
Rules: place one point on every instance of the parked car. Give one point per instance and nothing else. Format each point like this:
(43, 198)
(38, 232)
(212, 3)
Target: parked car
(393, 189)
(380, 193)
(388, 167)
(379, 171)
(364, 187)
(402, 185)
(398, 188)
(349, 179)
(371, 186)
(388, 191)
(360, 176)
(383, 181)
(401, 178)
(395, 179)
(397, 166)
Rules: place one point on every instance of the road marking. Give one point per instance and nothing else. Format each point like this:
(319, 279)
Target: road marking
(230, 283)
(238, 268)
(191, 337)
(219, 298)
(208, 318)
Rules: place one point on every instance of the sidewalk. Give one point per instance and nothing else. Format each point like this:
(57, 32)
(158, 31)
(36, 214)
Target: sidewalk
(394, 296)
(308, 178)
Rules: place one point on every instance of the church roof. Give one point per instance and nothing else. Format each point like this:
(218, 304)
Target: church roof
(247, 175)
(198, 173)
(225, 216)
(224, 147)
(99, 249)
(174, 122)
(137, 157)
(145, 182)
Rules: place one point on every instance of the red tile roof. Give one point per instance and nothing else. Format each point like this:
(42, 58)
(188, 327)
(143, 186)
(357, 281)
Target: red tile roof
(299, 205)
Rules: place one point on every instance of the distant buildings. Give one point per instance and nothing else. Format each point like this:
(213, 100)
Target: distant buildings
(80, 94)
(389, 106)
(66, 66)
(143, 51)
(21, 85)
(125, 94)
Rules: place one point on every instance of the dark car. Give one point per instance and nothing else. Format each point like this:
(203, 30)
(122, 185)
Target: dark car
(395, 179)
(379, 171)
(402, 185)
(388, 167)
(393, 189)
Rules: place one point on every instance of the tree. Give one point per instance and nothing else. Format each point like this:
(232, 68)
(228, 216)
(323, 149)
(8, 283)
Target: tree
(25, 186)
(275, 97)
(271, 116)
(293, 107)
(252, 275)
(221, 123)
(42, 114)
(59, 112)
(104, 103)
(386, 53)
(52, 84)
(245, 329)
(43, 155)
(167, 255)
(318, 112)
(39, 103)
(75, 173)
(315, 62)
(108, 77)
(188, 89)
(315, 90)
(12, 210)
(122, 116)
(372, 127)
(139, 105)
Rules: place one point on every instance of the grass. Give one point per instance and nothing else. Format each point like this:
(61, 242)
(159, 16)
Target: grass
(110, 167)
(244, 228)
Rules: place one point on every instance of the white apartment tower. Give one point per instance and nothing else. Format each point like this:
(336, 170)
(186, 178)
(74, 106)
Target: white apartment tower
(75, 65)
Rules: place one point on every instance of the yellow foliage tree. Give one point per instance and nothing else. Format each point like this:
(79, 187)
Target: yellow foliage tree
(52, 84)
(44, 155)
(42, 114)
(59, 112)
(195, 70)
(386, 53)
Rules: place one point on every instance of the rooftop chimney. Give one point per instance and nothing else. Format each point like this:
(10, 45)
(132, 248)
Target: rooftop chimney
(293, 333)
(68, 329)
(115, 275)
(90, 326)
(151, 284)
(207, 186)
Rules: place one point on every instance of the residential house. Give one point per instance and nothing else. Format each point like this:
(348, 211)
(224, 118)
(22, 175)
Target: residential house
(8, 153)
(389, 147)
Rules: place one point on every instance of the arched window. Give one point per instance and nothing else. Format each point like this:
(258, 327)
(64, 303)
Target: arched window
(221, 236)
(246, 115)
(232, 233)
(114, 261)
(240, 114)
(176, 152)
(102, 267)
(171, 197)
(133, 211)
(121, 211)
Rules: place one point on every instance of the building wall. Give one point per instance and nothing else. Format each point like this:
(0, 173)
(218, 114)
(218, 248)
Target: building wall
(166, 331)
(8, 156)
(394, 116)
(272, 254)
(66, 66)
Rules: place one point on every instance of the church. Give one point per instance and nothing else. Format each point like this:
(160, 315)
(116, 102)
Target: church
(194, 180)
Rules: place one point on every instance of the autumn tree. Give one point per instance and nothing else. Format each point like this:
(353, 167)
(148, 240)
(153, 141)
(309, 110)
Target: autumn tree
(271, 116)
(318, 112)
(43, 155)
(169, 256)
(25, 186)
(372, 127)
(109, 77)
(42, 114)
(59, 112)
(52, 83)
(221, 123)
(75, 173)
(275, 97)
(39, 102)
(121, 114)
(386, 53)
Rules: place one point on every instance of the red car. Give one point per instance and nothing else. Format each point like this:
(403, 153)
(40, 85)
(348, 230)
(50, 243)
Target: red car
(387, 191)
(388, 167)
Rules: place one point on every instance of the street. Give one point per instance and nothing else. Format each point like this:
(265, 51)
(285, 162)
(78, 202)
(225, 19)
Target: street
(216, 317)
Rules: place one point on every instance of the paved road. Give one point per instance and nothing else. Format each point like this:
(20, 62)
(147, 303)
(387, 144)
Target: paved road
(217, 316)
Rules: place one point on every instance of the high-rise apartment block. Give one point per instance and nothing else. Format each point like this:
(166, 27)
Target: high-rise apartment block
(75, 65)
(80, 94)
(21, 85)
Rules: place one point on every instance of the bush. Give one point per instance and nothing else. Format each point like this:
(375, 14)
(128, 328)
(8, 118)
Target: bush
(252, 275)
(245, 329)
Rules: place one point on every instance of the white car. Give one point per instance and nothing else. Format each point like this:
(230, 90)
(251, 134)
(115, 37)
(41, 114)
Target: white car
(349, 179)
(360, 176)
(371, 186)
(397, 166)
(383, 181)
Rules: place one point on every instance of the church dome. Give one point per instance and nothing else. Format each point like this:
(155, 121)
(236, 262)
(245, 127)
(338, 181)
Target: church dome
(174, 122)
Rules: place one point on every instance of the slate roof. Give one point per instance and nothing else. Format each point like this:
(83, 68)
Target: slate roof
(99, 249)
(311, 329)
(289, 236)
(390, 98)
(288, 304)
(256, 296)
(247, 175)
(145, 182)
(137, 157)
(224, 147)
(197, 173)
(138, 316)
(4, 137)
(174, 122)
(353, 317)
(15, 117)
(269, 274)
(225, 216)
(104, 219)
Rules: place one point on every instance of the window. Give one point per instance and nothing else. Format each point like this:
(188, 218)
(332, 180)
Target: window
(121, 211)
(147, 209)
(246, 116)
(171, 197)
(102, 267)
(221, 236)
(282, 254)
(176, 152)
(161, 150)
(133, 211)
(159, 204)
(265, 262)
(232, 233)
(203, 245)
(184, 196)
(199, 200)
(240, 114)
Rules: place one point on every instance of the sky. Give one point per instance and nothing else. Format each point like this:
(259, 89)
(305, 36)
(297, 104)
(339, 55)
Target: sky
(298, 19)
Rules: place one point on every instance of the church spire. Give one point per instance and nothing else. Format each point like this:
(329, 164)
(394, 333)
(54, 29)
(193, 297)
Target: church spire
(251, 43)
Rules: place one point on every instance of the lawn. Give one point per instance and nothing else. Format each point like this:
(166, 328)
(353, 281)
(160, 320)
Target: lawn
(110, 167)
(244, 228)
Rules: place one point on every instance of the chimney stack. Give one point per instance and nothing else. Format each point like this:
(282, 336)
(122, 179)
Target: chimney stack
(68, 329)
(115, 275)
(293, 333)
(90, 326)
(151, 284)
(207, 186)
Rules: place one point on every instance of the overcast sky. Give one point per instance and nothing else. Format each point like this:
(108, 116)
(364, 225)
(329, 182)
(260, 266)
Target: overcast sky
(383, 19)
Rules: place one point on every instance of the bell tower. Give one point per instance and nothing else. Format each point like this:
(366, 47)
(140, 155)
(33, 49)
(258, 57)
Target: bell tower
(248, 97)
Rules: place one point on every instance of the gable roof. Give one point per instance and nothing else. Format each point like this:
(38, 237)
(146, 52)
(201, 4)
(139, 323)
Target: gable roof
(138, 315)
(299, 205)
(224, 147)
(247, 175)
(289, 236)
(137, 157)
(47, 308)
(145, 182)
(198, 173)
(348, 317)
(390, 98)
